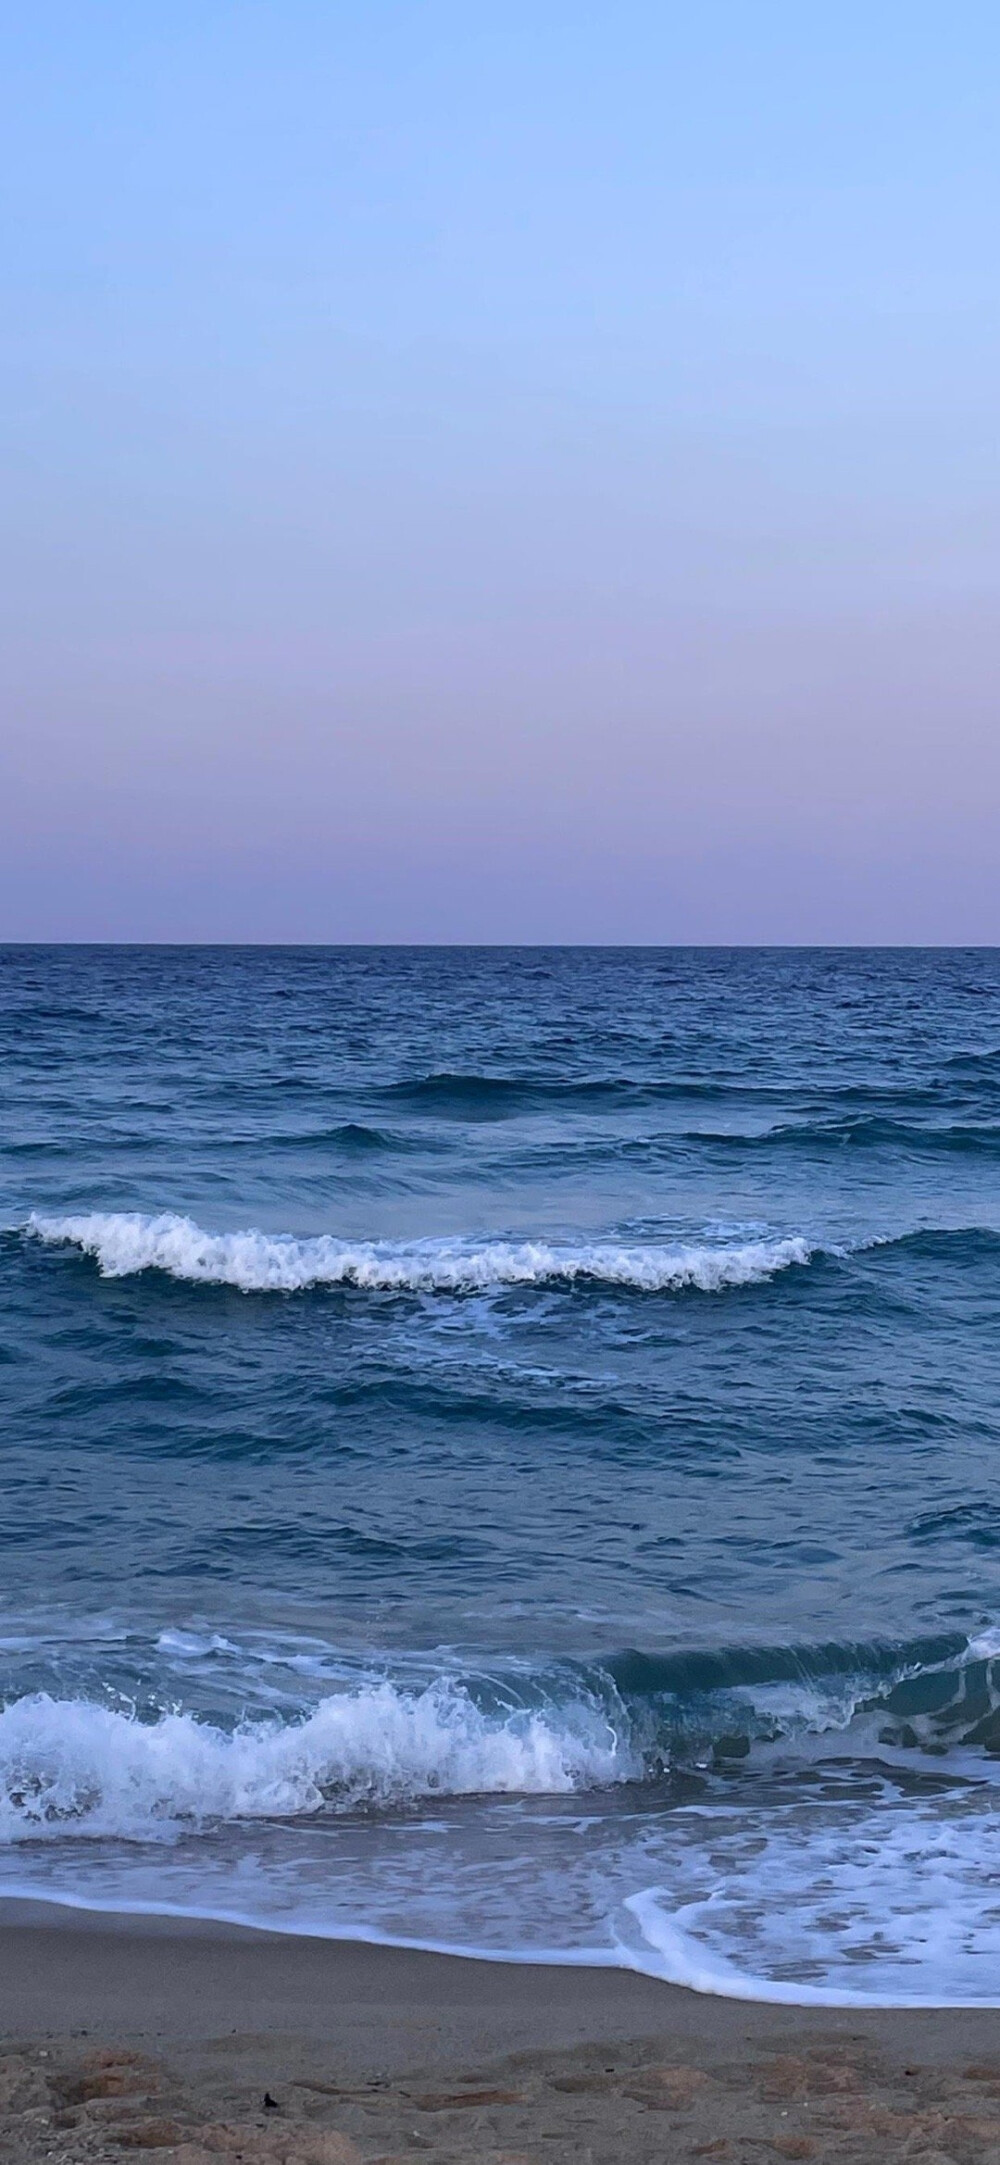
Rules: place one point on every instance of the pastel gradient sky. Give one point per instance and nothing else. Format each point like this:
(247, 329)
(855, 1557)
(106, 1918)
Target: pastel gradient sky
(500, 472)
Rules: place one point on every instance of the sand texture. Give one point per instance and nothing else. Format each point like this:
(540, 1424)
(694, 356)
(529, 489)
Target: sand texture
(120, 2042)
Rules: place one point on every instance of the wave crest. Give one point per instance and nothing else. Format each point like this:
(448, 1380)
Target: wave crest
(76, 1766)
(73, 1766)
(125, 1242)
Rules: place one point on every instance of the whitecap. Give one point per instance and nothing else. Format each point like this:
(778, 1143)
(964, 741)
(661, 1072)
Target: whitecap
(125, 1242)
(71, 1766)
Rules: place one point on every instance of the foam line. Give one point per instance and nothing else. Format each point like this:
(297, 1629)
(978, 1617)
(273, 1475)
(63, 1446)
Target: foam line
(125, 1242)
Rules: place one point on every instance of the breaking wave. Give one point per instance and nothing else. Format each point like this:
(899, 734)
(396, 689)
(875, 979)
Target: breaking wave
(78, 1766)
(73, 1766)
(124, 1242)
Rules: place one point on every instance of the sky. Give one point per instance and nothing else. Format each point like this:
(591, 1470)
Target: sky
(500, 472)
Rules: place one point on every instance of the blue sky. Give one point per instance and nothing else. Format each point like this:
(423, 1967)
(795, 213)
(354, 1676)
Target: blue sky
(500, 473)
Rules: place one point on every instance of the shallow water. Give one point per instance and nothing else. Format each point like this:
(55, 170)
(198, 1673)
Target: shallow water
(499, 1450)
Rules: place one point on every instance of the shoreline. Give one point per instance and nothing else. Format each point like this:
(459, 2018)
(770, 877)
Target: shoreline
(122, 2032)
(58, 1946)
(42, 1912)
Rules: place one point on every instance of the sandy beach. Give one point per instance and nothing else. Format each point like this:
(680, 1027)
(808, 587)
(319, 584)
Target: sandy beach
(124, 2034)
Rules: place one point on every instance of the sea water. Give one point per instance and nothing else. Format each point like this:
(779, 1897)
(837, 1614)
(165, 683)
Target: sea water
(500, 1448)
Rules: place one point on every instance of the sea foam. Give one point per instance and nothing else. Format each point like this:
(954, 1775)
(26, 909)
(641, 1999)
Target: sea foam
(124, 1242)
(71, 1766)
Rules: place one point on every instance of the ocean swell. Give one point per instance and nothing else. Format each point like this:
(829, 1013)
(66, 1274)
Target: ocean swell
(124, 1242)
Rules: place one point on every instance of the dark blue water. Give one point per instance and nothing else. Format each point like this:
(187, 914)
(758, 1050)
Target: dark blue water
(500, 1450)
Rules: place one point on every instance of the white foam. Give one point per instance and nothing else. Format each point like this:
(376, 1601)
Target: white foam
(70, 1766)
(843, 1906)
(123, 1242)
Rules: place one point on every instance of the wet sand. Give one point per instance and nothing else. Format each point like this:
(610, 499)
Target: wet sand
(121, 2036)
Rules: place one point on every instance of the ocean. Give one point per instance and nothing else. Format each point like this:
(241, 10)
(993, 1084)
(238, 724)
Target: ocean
(500, 1452)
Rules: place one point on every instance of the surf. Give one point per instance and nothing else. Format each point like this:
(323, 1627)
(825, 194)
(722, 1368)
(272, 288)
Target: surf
(124, 1243)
